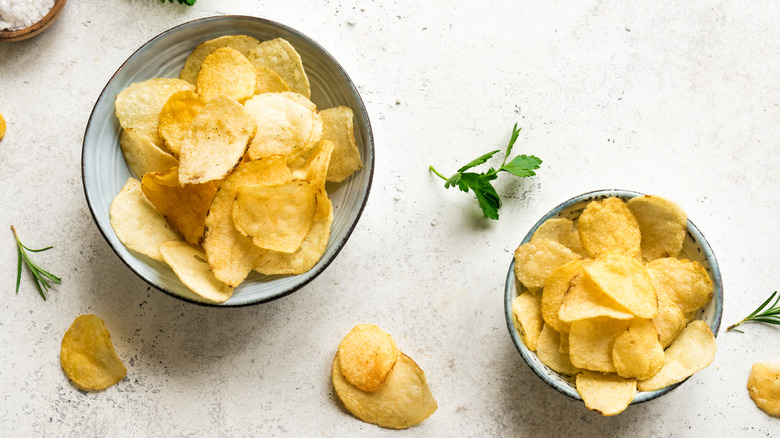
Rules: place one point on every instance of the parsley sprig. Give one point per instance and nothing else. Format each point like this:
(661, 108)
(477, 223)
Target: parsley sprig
(522, 166)
(182, 2)
(40, 276)
(768, 315)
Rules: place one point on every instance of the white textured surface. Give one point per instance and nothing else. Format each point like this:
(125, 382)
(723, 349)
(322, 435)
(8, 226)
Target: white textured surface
(677, 98)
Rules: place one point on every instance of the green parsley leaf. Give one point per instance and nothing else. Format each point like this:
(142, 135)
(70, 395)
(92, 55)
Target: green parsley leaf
(182, 2)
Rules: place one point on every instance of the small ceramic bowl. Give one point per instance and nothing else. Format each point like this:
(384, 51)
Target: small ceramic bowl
(695, 247)
(36, 28)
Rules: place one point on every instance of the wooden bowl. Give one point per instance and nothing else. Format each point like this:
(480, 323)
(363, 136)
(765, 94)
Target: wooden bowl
(36, 28)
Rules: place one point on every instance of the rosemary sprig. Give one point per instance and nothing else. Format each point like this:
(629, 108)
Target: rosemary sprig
(40, 276)
(768, 315)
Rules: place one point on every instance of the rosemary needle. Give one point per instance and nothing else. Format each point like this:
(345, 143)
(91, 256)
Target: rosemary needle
(40, 275)
(767, 315)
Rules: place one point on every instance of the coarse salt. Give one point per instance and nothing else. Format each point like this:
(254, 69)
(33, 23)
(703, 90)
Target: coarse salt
(18, 14)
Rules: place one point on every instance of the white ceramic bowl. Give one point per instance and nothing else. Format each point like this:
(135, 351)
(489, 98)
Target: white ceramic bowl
(104, 170)
(695, 247)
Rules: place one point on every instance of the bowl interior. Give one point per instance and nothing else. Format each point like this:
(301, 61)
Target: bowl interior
(105, 171)
(695, 247)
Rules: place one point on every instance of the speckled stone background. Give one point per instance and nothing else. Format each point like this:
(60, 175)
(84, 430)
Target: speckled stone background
(674, 98)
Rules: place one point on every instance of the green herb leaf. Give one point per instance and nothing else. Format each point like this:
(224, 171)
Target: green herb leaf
(522, 166)
(481, 160)
(40, 276)
(182, 2)
(767, 315)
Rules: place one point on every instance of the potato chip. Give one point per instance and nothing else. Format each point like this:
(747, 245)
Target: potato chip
(87, 355)
(367, 354)
(230, 254)
(608, 226)
(591, 342)
(527, 309)
(670, 320)
(548, 349)
(280, 56)
(269, 82)
(662, 224)
(288, 124)
(575, 244)
(686, 282)
(2, 126)
(138, 106)
(189, 264)
(605, 394)
(276, 216)
(142, 155)
(226, 72)
(563, 231)
(176, 118)
(564, 347)
(764, 387)
(584, 301)
(535, 261)
(691, 352)
(216, 142)
(337, 126)
(137, 224)
(402, 401)
(315, 168)
(555, 288)
(625, 280)
(243, 43)
(183, 206)
(637, 353)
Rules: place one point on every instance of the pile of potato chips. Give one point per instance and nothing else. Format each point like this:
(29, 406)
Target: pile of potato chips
(609, 299)
(378, 383)
(87, 355)
(232, 159)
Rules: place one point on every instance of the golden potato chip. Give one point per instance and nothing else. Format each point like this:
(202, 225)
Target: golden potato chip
(142, 155)
(280, 56)
(183, 206)
(584, 301)
(176, 118)
(337, 126)
(367, 354)
(686, 282)
(764, 387)
(563, 231)
(625, 280)
(288, 124)
(269, 82)
(662, 224)
(591, 342)
(549, 351)
(564, 347)
(608, 226)
(189, 264)
(691, 352)
(276, 216)
(87, 355)
(537, 260)
(637, 353)
(670, 320)
(138, 106)
(527, 309)
(226, 72)
(243, 43)
(575, 244)
(402, 401)
(137, 224)
(605, 394)
(315, 168)
(216, 142)
(230, 254)
(555, 288)
(2, 126)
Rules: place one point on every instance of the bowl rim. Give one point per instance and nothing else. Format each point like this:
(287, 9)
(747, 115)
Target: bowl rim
(35, 28)
(317, 270)
(510, 294)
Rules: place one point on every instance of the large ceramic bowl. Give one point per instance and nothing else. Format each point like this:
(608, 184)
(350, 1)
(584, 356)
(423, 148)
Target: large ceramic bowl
(695, 247)
(105, 172)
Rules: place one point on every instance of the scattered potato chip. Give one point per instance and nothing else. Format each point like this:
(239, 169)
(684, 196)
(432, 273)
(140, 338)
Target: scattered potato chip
(138, 106)
(280, 56)
(686, 282)
(87, 355)
(269, 82)
(608, 226)
(637, 353)
(670, 320)
(243, 43)
(142, 155)
(625, 280)
(137, 224)
(662, 223)
(764, 387)
(555, 289)
(216, 142)
(605, 394)
(367, 354)
(527, 310)
(535, 261)
(402, 401)
(591, 342)
(584, 301)
(189, 264)
(691, 352)
(176, 118)
(226, 72)
(2, 126)
(548, 349)
(337, 127)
